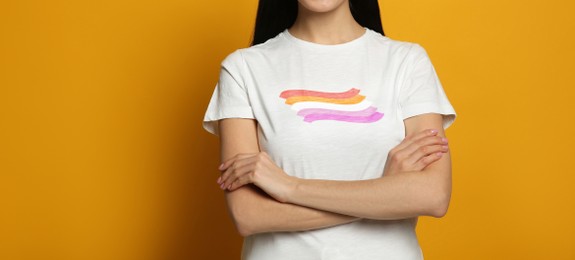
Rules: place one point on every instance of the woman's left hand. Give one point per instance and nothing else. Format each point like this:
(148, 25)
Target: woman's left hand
(259, 169)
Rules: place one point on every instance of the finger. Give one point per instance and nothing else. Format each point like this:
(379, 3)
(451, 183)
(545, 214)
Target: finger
(236, 162)
(409, 139)
(421, 143)
(235, 173)
(241, 181)
(425, 151)
(425, 141)
(230, 161)
(427, 160)
(239, 163)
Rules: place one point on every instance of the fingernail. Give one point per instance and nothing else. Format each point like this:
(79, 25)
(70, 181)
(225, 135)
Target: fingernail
(434, 131)
(222, 186)
(439, 154)
(220, 180)
(444, 139)
(444, 147)
(221, 165)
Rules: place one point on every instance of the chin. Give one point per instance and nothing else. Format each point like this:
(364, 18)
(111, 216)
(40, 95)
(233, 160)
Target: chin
(321, 6)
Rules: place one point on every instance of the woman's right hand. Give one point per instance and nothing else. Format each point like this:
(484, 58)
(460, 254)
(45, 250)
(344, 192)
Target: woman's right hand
(415, 152)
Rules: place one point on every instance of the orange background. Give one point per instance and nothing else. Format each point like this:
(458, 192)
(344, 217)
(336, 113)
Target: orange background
(102, 153)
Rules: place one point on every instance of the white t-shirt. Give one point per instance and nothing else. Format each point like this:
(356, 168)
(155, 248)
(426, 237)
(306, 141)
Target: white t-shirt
(330, 112)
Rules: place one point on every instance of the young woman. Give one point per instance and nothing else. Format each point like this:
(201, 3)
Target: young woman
(332, 135)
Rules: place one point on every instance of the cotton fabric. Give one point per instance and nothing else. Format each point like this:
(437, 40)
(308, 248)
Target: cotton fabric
(330, 112)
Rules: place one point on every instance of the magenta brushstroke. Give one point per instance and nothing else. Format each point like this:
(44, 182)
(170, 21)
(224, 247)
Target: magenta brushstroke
(307, 111)
(357, 119)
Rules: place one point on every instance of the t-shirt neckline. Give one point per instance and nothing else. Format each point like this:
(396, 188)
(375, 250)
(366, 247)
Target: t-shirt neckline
(320, 46)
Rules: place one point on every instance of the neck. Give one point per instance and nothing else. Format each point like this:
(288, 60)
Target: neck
(333, 27)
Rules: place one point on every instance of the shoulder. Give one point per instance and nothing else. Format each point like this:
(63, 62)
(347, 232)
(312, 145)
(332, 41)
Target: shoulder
(401, 49)
(232, 60)
(269, 47)
(239, 56)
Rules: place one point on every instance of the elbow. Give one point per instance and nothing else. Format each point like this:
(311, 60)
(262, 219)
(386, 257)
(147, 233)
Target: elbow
(241, 222)
(244, 211)
(438, 194)
(439, 203)
(436, 200)
(242, 219)
(243, 230)
(439, 210)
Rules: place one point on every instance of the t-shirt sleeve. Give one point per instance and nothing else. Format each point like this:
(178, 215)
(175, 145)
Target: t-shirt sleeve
(422, 91)
(229, 98)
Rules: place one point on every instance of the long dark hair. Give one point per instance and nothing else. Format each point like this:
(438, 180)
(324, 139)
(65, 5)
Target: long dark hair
(274, 16)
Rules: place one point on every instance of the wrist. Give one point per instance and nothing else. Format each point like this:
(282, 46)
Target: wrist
(291, 188)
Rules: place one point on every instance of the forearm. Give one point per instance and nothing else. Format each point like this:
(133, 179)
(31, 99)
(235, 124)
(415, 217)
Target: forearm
(255, 212)
(405, 195)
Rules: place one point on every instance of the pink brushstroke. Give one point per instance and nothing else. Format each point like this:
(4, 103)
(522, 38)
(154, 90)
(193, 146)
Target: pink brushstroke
(366, 112)
(356, 119)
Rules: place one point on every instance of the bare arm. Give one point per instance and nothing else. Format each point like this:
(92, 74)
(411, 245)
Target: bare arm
(404, 195)
(254, 211)
(400, 195)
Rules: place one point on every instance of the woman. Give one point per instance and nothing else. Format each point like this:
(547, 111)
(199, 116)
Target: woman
(332, 135)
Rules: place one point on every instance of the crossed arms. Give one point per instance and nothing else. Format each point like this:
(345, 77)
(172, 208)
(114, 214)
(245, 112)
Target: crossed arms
(261, 203)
